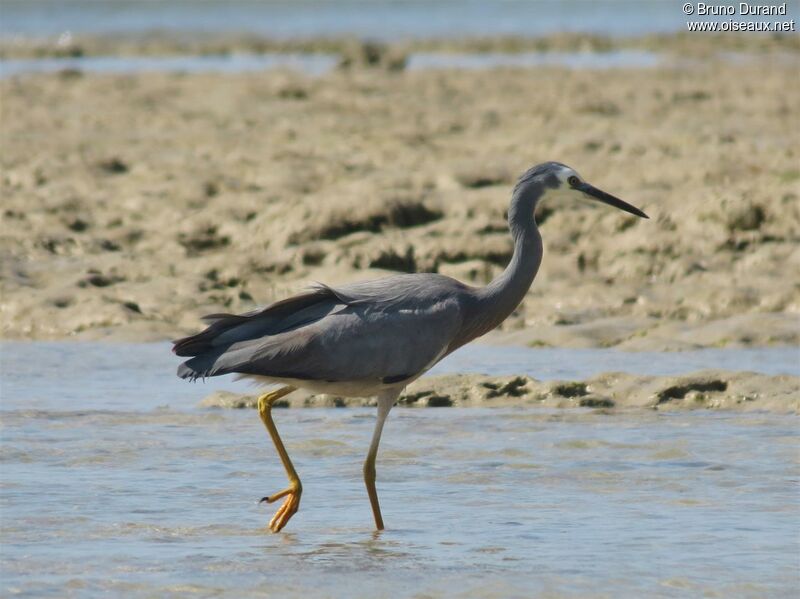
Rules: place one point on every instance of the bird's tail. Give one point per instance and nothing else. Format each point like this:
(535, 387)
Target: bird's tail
(201, 342)
(206, 347)
(209, 349)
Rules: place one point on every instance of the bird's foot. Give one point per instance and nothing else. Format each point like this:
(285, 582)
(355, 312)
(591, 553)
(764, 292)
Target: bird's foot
(288, 507)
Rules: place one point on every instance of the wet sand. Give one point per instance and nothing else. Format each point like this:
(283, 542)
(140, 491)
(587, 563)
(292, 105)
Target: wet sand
(134, 204)
(478, 375)
(704, 390)
(160, 43)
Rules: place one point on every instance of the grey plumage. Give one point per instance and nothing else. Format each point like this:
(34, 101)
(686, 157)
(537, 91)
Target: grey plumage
(381, 332)
(374, 337)
(304, 338)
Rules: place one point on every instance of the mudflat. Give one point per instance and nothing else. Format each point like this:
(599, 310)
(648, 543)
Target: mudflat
(134, 204)
(612, 392)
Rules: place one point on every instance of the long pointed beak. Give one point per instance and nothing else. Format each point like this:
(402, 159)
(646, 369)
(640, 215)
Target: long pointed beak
(607, 198)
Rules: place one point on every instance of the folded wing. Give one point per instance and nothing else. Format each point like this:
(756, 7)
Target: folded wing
(384, 331)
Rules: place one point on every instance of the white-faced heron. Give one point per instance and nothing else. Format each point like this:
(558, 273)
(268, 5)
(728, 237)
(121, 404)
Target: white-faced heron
(373, 338)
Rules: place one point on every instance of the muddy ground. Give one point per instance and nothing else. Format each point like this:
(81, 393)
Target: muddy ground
(134, 204)
(610, 392)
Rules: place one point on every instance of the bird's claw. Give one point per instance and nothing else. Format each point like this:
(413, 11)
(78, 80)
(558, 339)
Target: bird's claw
(288, 507)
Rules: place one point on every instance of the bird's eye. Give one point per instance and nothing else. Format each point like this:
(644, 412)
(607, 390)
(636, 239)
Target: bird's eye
(574, 181)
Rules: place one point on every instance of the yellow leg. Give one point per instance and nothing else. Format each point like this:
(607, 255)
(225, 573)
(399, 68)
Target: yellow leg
(385, 403)
(369, 480)
(295, 489)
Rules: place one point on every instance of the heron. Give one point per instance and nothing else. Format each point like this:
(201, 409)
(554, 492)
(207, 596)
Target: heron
(372, 338)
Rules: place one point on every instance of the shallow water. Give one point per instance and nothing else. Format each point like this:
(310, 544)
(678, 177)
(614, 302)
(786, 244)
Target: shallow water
(55, 375)
(311, 64)
(113, 482)
(319, 64)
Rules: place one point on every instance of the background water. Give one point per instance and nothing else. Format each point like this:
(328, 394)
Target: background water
(319, 64)
(67, 20)
(113, 482)
(381, 19)
(57, 375)
(310, 18)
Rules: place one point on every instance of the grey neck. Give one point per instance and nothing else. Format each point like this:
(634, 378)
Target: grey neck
(499, 299)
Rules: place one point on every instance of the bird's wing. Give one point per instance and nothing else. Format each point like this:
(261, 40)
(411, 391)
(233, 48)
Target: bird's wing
(227, 329)
(387, 330)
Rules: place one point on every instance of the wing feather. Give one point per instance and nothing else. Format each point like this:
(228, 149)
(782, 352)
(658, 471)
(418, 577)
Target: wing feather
(389, 329)
(230, 328)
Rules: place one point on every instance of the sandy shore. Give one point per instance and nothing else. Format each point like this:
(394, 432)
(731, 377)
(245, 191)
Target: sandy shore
(705, 390)
(160, 43)
(134, 204)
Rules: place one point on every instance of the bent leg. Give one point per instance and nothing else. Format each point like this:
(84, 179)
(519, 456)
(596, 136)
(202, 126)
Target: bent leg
(295, 489)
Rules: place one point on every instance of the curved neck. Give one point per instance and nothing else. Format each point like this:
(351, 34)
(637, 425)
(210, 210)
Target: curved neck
(498, 299)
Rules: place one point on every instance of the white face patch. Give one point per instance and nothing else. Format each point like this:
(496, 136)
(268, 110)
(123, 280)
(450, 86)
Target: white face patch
(564, 173)
(564, 191)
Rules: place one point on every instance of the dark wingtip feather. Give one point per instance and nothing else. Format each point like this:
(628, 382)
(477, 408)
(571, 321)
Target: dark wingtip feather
(191, 346)
(188, 346)
(208, 345)
(201, 342)
(212, 318)
(185, 372)
(188, 373)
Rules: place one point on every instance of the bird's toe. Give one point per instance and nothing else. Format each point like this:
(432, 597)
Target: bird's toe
(285, 512)
(288, 508)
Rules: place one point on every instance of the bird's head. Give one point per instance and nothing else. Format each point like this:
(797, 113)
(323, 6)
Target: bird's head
(553, 180)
